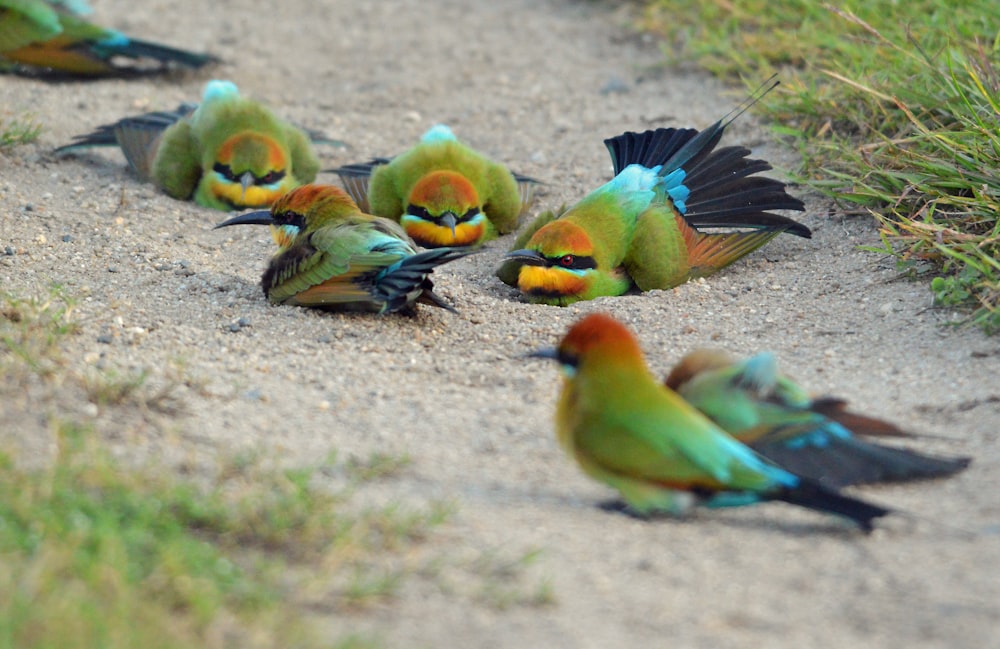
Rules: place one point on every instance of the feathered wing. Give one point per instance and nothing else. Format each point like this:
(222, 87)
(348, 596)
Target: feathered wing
(56, 38)
(766, 411)
(305, 162)
(526, 187)
(137, 136)
(358, 264)
(26, 22)
(505, 196)
(703, 188)
(177, 165)
(356, 177)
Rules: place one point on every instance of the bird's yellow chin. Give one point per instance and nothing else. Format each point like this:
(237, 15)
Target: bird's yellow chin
(255, 196)
(545, 282)
(282, 237)
(431, 235)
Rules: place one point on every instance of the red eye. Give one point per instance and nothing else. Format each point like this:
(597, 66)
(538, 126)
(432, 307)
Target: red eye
(567, 260)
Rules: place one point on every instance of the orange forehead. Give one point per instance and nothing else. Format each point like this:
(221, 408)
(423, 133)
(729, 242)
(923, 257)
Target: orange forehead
(442, 190)
(561, 237)
(600, 331)
(255, 149)
(302, 199)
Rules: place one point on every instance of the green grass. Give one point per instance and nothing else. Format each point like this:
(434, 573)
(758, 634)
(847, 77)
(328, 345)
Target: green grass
(31, 330)
(100, 553)
(895, 109)
(96, 554)
(22, 129)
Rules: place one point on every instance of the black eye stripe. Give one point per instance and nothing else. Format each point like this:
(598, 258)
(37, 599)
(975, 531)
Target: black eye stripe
(288, 217)
(422, 213)
(267, 179)
(579, 262)
(270, 178)
(224, 170)
(567, 358)
(417, 211)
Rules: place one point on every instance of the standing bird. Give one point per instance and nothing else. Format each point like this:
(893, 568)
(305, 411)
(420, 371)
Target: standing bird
(52, 35)
(814, 438)
(228, 153)
(643, 228)
(624, 428)
(331, 255)
(441, 191)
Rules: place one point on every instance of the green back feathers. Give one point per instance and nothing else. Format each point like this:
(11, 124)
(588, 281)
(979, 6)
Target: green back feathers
(23, 22)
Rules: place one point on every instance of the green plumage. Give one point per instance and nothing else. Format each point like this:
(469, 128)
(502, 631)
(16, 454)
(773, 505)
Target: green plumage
(333, 256)
(753, 402)
(442, 191)
(643, 229)
(391, 183)
(53, 37)
(627, 430)
(227, 153)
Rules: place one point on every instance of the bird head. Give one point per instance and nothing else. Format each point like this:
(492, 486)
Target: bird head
(596, 338)
(250, 170)
(557, 264)
(697, 362)
(300, 212)
(443, 209)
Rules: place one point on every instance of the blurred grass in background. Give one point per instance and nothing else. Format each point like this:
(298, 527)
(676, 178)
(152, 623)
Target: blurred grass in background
(895, 107)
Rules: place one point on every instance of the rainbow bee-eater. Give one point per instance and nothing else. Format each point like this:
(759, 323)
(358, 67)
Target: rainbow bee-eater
(626, 429)
(331, 255)
(228, 152)
(645, 228)
(815, 438)
(442, 192)
(53, 36)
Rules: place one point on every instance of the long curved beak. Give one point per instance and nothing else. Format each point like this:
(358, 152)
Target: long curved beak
(526, 257)
(246, 181)
(448, 218)
(260, 217)
(544, 352)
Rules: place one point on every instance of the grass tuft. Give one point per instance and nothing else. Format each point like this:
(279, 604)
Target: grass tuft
(896, 111)
(22, 129)
(99, 554)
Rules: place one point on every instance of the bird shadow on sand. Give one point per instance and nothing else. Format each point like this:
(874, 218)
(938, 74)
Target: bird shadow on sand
(763, 523)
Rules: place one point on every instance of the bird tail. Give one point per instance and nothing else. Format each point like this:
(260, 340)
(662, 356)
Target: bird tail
(137, 136)
(709, 188)
(838, 462)
(407, 280)
(709, 252)
(137, 49)
(813, 495)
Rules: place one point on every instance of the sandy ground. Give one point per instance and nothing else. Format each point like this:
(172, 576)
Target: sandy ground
(537, 85)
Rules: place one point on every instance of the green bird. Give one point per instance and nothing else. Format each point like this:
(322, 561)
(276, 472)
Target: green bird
(644, 228)
(442, 191)
(626, 429)
(227, 153)
(333, 256)
(53, 37)
(816, 438)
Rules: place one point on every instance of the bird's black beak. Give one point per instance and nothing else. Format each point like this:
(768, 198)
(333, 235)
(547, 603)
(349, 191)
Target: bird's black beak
(526, 257)
(260, 217)
(448, 220)
(545, 352)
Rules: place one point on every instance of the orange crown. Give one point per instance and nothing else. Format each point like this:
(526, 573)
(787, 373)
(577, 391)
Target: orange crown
(443, 189)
